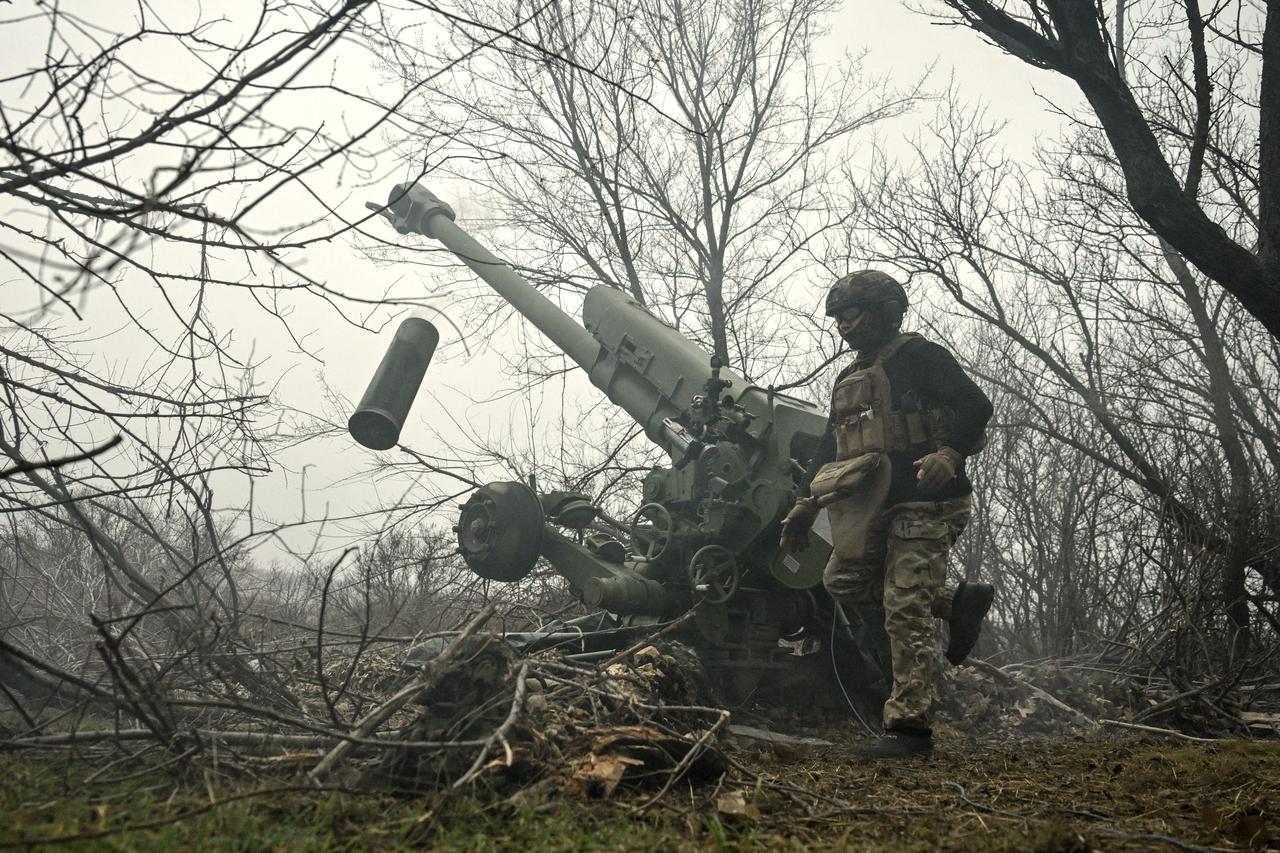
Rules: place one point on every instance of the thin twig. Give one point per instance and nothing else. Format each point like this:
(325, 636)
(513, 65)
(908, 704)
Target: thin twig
(1157, 730)
(678, 771)
(324, 607)
(424, 680)
(500, 734)
(648, 640)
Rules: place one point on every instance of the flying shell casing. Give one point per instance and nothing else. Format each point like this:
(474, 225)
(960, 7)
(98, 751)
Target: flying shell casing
(378, 419)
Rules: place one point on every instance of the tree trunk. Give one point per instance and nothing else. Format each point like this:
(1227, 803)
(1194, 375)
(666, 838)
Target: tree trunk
(715, 308)
(1237, 513)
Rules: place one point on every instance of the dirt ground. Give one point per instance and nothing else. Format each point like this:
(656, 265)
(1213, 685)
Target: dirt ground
(1044, 794)
(1064, 794)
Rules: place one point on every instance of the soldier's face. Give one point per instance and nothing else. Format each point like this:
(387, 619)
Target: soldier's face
(848, 323)
(860, 327)
(849, 319)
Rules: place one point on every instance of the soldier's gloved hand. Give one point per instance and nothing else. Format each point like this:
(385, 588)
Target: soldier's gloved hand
(795, 527)
(937, 469)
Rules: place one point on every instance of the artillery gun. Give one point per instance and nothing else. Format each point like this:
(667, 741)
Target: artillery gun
(705, 537)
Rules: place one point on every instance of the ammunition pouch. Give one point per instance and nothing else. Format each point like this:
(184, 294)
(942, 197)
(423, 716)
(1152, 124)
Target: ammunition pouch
(865, 423)
(860, 488)
(840, 479)
(906, 431)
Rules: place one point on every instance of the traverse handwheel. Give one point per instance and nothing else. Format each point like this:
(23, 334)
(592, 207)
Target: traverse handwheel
(713, 571)
(651, 531)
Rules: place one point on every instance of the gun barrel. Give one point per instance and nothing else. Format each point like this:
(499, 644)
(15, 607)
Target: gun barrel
(603, 345)
(415, 208)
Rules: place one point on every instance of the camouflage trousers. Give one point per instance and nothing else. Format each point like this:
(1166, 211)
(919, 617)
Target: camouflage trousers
(902, 568)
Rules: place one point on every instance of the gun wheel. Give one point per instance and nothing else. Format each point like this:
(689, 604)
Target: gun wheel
(500, 531)
(651, 531)
(713, 571)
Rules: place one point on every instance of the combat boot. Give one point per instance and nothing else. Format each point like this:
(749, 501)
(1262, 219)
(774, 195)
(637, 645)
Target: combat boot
(968, 609)
(899, 743)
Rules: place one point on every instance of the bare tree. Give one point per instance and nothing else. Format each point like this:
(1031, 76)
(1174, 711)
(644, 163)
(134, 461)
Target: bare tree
(165, 174)
(687, 153)
(1163, 109)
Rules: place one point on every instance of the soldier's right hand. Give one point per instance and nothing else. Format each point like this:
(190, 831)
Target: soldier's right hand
(795, 527)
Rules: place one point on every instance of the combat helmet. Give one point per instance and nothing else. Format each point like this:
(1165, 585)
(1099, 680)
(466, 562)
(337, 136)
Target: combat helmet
(865, 287)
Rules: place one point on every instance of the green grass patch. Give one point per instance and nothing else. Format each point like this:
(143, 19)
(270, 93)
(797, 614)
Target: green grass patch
(49, 800)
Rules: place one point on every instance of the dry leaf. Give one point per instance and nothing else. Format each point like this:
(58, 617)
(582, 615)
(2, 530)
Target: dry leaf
(599, 775)
(734, 803)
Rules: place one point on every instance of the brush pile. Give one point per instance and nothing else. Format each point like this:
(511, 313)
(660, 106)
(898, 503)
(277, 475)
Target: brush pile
(462, 708)
(545, 721)
(1067, 697)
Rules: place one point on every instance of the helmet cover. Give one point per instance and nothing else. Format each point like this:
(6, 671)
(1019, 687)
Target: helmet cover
(864, 287)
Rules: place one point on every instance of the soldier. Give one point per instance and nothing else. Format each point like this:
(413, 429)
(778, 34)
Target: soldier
(890, 470)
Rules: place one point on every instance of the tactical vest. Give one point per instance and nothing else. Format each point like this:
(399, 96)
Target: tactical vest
(865, 420)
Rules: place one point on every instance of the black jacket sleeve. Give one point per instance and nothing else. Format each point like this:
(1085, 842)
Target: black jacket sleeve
(946, 384)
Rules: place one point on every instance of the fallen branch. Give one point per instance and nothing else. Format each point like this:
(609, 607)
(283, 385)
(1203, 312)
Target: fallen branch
(60, 674)
(230, 738)
(424, 680)
(317, 729)
(1041, 694)
(500, 734)
(233, 738)
(679, 770)
(755, 733)
(1173, 701)
(1157, 730)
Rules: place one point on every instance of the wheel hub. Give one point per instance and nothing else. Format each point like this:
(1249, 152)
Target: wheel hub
(500, 531)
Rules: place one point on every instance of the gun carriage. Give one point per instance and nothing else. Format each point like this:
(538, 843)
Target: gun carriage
(706, 535)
